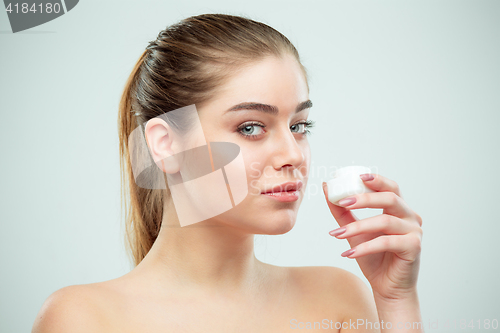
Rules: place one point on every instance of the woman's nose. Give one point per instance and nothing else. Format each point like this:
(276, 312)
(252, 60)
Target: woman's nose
(287, 151)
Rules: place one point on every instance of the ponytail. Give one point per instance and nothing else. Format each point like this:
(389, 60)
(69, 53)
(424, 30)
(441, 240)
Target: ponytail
(144, 207)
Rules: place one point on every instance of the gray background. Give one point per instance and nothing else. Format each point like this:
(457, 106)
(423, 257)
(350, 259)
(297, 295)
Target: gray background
(409, 87)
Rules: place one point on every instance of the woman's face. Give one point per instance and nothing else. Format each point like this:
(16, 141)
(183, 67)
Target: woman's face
(274, 145)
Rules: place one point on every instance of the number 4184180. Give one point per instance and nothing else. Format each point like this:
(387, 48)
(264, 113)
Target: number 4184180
(24, 8)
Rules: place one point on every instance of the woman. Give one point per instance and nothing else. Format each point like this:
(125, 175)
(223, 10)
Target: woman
(249, 88)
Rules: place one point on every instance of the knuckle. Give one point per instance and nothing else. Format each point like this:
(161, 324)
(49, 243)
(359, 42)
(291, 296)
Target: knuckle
(419, 219)
(397, 189)
(386, 241)
(353, 227)
(416, 242)
(364, 197)
(386, 221)
(394, 198)
(420, 233)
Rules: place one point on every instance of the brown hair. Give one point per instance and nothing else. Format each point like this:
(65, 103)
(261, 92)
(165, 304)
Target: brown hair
(185, 65)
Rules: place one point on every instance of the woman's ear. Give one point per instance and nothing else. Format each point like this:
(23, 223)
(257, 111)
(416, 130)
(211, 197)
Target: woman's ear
(162, 145)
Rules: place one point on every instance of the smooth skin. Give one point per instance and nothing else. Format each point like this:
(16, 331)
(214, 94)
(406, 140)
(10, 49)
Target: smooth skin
(205, 277)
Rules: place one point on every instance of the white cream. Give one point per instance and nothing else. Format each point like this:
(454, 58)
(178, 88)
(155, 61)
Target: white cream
(346, 182)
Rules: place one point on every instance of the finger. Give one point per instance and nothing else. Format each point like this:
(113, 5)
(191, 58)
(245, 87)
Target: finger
(381, 184)
(406, 247)
(389, 201)
(384, 223)
(342, 216)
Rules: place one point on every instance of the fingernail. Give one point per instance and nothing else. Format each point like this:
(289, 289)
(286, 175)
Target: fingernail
(367, 176)
(347, 202)
(338, 231)
(347, 253)
(323, 184)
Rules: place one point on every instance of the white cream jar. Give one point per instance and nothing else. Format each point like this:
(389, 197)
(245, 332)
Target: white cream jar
(346, 182)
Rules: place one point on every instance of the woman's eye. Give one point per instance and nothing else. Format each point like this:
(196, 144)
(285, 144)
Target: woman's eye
(251, 129)
(302, 127)
(299, 128)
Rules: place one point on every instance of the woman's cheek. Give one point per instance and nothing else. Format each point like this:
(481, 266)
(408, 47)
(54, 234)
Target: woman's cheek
(306, 165)
(254, 168)
(308, 158)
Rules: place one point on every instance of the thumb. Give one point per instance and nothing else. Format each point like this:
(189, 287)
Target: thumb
(342, 215)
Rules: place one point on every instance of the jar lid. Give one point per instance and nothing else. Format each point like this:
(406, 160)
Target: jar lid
(348, 170)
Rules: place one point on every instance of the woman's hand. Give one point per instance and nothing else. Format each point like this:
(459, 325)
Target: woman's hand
(386, 246)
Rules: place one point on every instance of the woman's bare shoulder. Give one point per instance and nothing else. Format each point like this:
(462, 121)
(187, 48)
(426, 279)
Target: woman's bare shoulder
(326, 276)
(75, 308)
(335, 288)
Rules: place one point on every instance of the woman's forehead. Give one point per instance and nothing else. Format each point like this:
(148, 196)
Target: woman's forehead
(269, 84)
(266, 73)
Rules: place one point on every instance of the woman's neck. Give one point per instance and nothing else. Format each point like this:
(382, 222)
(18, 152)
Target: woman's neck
(205, 255)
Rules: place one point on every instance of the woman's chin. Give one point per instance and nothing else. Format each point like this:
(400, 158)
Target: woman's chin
(260, 220)
(276, 227)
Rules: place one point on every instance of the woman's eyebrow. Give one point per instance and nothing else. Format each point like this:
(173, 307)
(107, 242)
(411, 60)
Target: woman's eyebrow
(271, 109)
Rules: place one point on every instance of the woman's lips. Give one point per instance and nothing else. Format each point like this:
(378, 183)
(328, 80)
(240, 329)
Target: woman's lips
(287, 196)
(285, 192)
(284, 187)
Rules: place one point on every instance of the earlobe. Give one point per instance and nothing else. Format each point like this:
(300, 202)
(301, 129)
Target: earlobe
(160, 140)
(168, 165)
